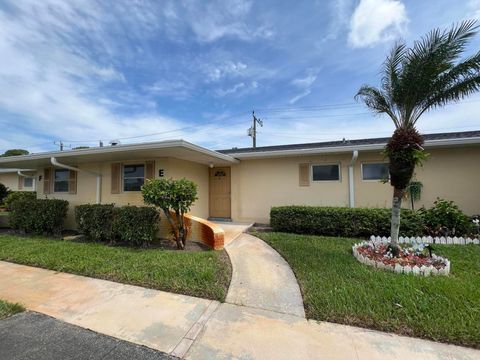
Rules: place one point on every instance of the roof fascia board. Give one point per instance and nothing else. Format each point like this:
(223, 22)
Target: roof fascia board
(348, 148)
(121, 148)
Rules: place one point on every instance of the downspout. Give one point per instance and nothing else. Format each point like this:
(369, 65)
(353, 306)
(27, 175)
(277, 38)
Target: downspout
(55, 162)
(34, 182)
(351, 183)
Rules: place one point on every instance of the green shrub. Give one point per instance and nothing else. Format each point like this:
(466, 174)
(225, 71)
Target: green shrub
(445, 218)
(95, 221)
(38, 216)
(131, 225)
(3, 193)
(173, 196)
(341, 221)
(18, 195)
(136, 225)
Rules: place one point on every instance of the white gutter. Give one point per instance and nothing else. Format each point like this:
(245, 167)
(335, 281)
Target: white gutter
(351, 183)
(34, 182)
(123, 148)
(346, 148)
(98, 175)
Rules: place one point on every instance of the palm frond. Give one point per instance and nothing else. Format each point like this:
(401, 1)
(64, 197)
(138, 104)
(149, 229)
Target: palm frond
(425, 76)
(376, 100)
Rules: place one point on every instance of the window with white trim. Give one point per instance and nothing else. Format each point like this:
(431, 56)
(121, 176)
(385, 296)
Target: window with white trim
(326, 172)
(133, 177)
(27, 182)
(375, 171)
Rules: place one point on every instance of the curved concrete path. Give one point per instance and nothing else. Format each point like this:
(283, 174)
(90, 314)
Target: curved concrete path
(261, 278)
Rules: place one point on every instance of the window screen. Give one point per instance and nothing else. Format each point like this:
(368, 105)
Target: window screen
(377, 171)
(133, 177)
(325, 172)
(27, 182)
(61, 180)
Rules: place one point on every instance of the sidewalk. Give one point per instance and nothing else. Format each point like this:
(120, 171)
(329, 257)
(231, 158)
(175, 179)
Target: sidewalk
(160, 320)
(195, 328)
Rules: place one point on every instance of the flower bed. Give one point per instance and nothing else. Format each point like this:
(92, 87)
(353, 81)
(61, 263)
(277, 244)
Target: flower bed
(411, 260)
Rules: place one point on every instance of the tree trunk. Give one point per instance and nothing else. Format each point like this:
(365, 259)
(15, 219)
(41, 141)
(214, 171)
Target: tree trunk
(182, 233)
(395, 224)
(174, 225)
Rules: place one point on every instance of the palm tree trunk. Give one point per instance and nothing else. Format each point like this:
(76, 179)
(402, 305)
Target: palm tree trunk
(396, 206)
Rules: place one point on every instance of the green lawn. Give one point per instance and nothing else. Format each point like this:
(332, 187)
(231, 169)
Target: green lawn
(204, 274)
(337, 288)
(8, 309)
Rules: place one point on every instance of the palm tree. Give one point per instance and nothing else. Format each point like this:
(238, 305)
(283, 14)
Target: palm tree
(415, 80)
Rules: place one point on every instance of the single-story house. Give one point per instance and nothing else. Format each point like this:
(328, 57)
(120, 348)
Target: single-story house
(18, 179)
(242, 184)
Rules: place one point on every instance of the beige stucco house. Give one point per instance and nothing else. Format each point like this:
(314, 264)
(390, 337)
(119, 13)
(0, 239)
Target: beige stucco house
(243, 184)
(18, 179)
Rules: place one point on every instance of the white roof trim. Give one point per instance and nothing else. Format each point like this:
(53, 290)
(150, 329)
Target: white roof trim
(121, 148)
(348, 148)
(10, 171)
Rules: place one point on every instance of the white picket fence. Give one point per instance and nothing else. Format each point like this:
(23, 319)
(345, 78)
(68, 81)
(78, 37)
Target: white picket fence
(429, 240)
(415, 270)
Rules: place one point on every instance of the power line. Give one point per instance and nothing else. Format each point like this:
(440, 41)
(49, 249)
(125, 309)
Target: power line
(166, 132)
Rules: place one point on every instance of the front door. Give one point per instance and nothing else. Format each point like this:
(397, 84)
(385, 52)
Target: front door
(220, 192)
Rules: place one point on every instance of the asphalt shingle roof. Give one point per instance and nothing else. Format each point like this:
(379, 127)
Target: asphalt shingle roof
(327, 144)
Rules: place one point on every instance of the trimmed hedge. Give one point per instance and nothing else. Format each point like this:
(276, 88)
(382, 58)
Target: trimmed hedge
(132, 225)
(38, 216)
(136, 226)
(342, 221)
(95, 221)
(18, 195)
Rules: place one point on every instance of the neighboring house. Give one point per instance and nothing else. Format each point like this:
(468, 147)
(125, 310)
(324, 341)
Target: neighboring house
(243, 184)
(25, 181)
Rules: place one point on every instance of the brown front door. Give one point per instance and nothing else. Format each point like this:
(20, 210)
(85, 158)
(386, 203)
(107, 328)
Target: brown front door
(220, 192)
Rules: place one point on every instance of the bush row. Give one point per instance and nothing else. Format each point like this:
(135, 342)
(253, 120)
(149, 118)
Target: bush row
(38, 216)
(342, 221)
(132, 225)
(18, 195)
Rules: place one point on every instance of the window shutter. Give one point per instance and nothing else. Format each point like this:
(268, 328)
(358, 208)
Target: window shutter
(116, 178)
(304, 174)
(20, 182)
(72, 182)
(47, 180)
(149, 170)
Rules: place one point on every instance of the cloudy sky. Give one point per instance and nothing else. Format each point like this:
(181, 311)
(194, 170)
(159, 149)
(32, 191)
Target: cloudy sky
(139, 70)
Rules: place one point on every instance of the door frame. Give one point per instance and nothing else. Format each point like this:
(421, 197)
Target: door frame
(211, 193)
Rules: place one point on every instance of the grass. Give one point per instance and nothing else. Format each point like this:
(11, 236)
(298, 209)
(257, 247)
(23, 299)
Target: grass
(204, 274)
(337, 288)
(8, 309)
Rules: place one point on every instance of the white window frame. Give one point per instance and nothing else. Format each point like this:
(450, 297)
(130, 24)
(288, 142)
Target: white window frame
(27, 186)
(339, 165)
(373, 162)
(135, 163)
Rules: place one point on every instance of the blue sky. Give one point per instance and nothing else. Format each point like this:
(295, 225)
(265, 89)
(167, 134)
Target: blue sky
(81, 71)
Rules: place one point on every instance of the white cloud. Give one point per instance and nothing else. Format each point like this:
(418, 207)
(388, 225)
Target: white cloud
(216, 72)
(375, 21)
(306, 81)
(214, 20)
(299, 96)
(177, 89)
(239, 89)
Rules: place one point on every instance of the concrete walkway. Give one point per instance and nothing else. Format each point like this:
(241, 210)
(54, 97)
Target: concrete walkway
(160, 320)
(194, 328)
(261, 278)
